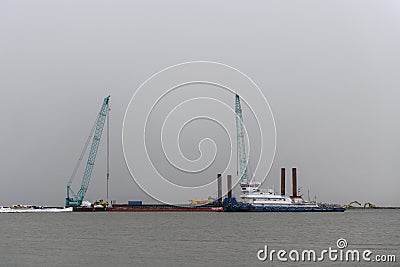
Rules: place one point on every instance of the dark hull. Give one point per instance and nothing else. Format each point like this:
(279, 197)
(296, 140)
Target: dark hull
(231, 205)
(283, 209)
(150, 208)
(154, 209)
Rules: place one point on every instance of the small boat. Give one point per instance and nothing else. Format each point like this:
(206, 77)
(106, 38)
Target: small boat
(28, 208)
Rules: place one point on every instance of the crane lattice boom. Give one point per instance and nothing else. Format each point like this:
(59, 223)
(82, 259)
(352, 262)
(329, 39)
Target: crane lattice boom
(73, 199)
(241, 147)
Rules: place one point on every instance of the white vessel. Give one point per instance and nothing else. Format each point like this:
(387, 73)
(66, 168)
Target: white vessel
(252, 194)
(255, 199)
(28, 208)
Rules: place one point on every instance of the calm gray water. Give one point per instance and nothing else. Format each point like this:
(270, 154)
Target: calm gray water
(190, 239)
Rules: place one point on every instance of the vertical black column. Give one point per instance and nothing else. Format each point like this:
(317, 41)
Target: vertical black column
(229, 186)
(294, 181)
(283, 178)
(219, 196)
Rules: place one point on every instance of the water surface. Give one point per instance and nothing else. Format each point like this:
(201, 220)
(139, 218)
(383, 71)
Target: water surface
(189, 239)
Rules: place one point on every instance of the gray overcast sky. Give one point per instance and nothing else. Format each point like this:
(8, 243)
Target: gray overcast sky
(330, 70)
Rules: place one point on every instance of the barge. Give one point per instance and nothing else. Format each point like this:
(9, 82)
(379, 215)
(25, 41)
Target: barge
(253, 199)
(213, 207)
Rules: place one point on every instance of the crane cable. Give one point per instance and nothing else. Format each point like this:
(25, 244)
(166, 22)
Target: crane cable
(82, 153)
(108, 146)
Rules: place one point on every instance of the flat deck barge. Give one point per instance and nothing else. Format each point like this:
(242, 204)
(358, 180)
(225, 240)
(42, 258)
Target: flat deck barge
(150, 208)
(229, 205)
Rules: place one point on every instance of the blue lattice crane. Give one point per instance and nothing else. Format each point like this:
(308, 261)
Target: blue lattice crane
(75, 199)
(241, 146)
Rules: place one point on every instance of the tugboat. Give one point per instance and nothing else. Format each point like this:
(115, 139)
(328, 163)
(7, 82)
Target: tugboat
(267, 200)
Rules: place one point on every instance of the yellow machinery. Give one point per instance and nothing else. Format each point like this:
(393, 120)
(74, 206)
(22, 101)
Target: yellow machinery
(201, 201)
(100, 203)
(351, 203)
(20, 207)
(370, 205)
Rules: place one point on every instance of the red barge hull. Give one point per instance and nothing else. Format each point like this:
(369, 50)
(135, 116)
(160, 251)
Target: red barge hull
(149, 208)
